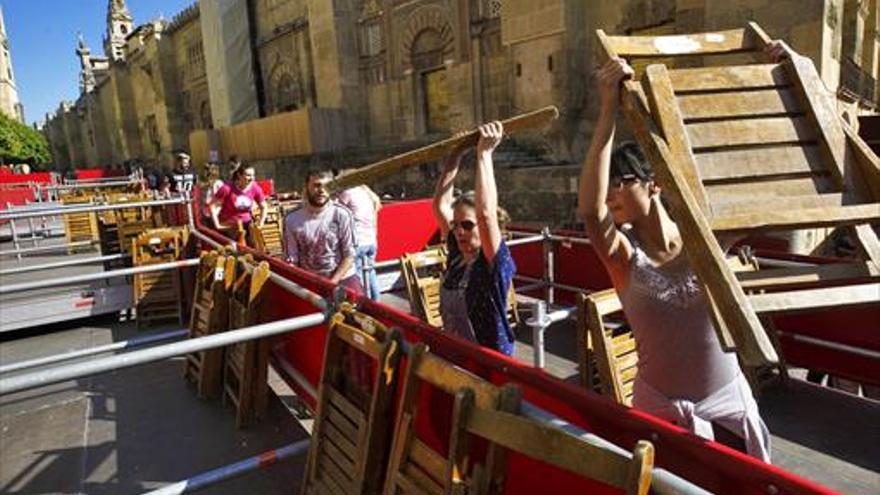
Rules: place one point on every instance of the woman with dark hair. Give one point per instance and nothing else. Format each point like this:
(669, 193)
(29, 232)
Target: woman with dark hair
(231, 205)
(684, 375)
(473, 295)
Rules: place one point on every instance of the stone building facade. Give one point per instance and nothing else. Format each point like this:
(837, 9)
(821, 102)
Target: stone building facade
(405, 72)
(9, 102)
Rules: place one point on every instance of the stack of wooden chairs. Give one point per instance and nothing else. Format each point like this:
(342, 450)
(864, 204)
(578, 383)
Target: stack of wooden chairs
(486, 428)
(423, 274)
(157, 295)
(79, 227)
(269, 237)
(351, 437)
(752, 147)
(607, 355)
(245, 367)
(110, 221)
(210, 315)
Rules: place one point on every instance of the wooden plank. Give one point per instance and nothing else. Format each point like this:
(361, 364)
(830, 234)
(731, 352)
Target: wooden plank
(335, 473)
(623, 344)
(343, 424)
(549, 445)
(358, 339)
(777, 278)
(628, 360)
(754, 163)
(438, 150)
(730, 41)
(808, 299)
(719, 193)
(422, 481)
(759, 205)
(748, 132)
(339, 440)
(339, 457)
(760, 103)
(450, 378)
(783, 219)
(430, 461)
(739, 77)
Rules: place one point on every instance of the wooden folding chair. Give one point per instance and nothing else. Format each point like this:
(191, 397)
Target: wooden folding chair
(269, 237)
(415, 467)
(157, 294)
(551, 445)
(423, 274)
(615, 361)
(210, 315)
(79, 227)
(245, 367)
(745, 149)
(351, 436)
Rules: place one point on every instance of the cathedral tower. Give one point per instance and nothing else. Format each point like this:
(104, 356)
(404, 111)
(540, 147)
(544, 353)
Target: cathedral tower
(119, 24)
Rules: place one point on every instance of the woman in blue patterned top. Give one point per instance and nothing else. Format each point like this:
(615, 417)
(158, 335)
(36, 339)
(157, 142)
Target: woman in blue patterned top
(473, 296)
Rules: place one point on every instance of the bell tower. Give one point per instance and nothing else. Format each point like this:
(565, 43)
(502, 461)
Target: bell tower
(119, 25)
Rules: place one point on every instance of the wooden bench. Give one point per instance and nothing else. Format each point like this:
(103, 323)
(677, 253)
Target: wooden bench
(750, 149)
(351, 436)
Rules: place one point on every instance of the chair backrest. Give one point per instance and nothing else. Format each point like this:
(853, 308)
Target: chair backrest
(423, 273)
(351, 437)
(553, 446)
(613, 345)
(414, 466)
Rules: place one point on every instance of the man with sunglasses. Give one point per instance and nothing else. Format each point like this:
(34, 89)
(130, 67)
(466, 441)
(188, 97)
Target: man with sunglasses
(480, 269)
(319, 236)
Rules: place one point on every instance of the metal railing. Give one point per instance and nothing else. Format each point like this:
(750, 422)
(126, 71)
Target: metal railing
(89, 208)
(63, 264)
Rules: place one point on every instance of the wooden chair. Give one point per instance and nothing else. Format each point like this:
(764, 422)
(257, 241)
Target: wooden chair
(353, 423)
(551, 445)
(157, 296)
(423, 274)
(79, 227)
(745, 149)
(245, 367)
(210, 315)
(415, 467)
(269, 237)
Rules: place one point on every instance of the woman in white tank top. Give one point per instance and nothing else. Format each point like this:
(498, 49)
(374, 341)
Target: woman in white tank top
(684, 376)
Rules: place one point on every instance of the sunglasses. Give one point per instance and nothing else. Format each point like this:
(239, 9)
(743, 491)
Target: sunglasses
(617, 183)
(467, 225)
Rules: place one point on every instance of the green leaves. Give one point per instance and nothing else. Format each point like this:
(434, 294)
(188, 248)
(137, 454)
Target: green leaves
(20, 143)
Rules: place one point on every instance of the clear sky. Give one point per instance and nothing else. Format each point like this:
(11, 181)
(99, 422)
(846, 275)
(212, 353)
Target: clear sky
(42, 39)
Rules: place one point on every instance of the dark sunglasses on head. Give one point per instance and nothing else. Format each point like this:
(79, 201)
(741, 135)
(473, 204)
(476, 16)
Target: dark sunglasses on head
(464, 224)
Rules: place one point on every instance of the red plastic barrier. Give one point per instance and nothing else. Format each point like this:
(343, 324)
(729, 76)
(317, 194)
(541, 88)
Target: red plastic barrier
(15, 195)
(405, 227)
(705, 463)
(267, 185)
(35, 177)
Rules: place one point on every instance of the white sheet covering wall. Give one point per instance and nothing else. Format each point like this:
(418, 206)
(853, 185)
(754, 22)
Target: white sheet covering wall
(228, 63)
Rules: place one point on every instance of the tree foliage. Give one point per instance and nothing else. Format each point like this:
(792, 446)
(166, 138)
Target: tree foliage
(22, 144)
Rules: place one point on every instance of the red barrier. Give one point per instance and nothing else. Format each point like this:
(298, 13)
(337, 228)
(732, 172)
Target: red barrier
(15, 195)
(267, 185)
(708, 464)
(405, 227)
(34, 177)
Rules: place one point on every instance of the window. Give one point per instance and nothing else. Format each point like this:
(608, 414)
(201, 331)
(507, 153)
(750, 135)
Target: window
(494, 9)
(550, 63)
(123, 29)
(518, 70)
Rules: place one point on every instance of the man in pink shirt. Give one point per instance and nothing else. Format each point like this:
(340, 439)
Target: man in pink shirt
(319, 237)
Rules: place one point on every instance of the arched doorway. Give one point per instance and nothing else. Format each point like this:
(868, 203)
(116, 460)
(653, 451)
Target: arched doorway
(427, 61)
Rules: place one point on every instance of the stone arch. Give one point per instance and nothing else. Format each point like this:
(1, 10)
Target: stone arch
(427, 25)
(284, 88)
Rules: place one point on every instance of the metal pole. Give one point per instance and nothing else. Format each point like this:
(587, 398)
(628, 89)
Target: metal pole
(568, 239)
(549, 268)
(89, 209)
(837, 346)
(89, 185)
(116, 346)
(62, 264)
(20, 251)
(33, 232)
(212, 242)
(538, 322)
(293, 287)
(76, 371)
(525, 240)
(526, 278)
(91, 277)
(386, 264)
(15, 244)
(239, 468)
(662, 481)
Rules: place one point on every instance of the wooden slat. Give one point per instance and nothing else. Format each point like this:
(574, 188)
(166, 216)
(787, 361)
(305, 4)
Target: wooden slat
(627, 360)
(754, 163)
(342, 424)
(628, 374)
(339, 457)
(729, 78)
(781, 277)
(549, 445)
(422, 480)
(730, 41)
(782, 219)
(770, 130)
(808, 299)
(450, 379)
(718, 193)
(335, 473)
(427, 459)
(340, 440)
(623, 344)
(346, 407)
(749, 205)
(358, 339)
(760, 103)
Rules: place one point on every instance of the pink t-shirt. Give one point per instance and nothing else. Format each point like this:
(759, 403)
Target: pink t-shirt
(235, 204)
